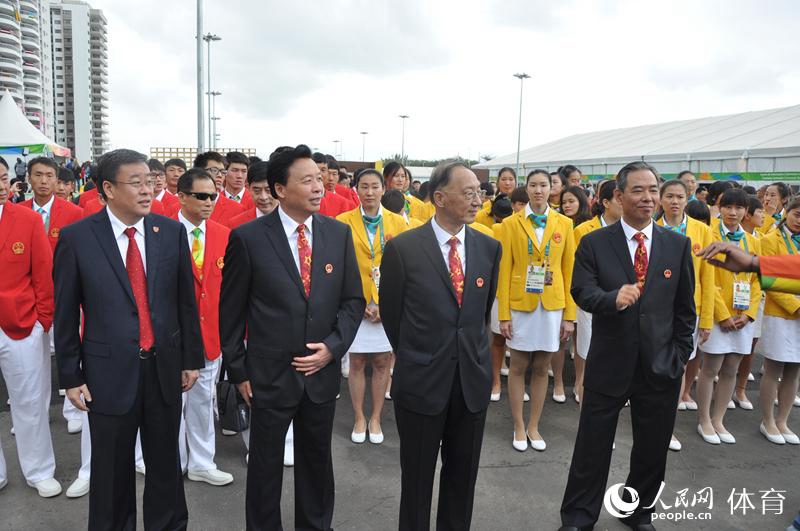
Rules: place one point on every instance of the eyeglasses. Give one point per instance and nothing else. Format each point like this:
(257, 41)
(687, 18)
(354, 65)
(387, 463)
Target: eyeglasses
(217, 171)
(469, 195)
(203, 196)
(155, 174)
(138, 185)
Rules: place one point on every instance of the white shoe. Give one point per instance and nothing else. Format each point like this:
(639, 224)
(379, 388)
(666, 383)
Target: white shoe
(614, 446)
(750, 377)
(358, 438)
(731, 404)
(559, 398)
(675, 444)
(681, 406)
(710, 439)
(212, 476)
(228, 433)
(774, 439)
(726, 437)
(526, 397)
(141, 470)
(791, 438)
(62, 392)
(74, 426)
(288, 456)
(3, 484)
(519, 446)
(577, 398)
(508, 354)
(494, 397)
(79, 487)
(504, 371)
(797, 401)
(691, 405)
(47, 488)
(387, 395)
(338, 396)
(744, 404)
(549, 373)
(376, 438)
(538, 444)
(628, 403)
(14, 433)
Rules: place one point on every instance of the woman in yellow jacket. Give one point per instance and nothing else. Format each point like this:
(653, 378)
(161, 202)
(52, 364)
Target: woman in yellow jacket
(775, 198)
(396, 178)
(674, 197)
(506, 182)
(371, 226)
(780, 341)
(735, 309)
(535, 308)
(607, 211)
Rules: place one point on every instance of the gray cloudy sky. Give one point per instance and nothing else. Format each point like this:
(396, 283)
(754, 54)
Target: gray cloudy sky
(315, 72)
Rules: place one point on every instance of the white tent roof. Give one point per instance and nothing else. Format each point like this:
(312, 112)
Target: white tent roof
(769, 133)
(15, 129)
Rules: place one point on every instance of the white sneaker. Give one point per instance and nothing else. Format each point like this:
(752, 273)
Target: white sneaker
(47, 488)
(503, 371)
(526, 397)
(79, 487)
(288, 456)
(228, 433)
(74, 426)
(212, 476)
(141, 470)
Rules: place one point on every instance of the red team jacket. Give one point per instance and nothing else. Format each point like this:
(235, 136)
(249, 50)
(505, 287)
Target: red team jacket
(62, 213)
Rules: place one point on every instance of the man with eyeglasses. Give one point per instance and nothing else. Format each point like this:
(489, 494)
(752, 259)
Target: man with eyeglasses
(131, 274)
(259, 190)
(207, 242)
(224, 208)
(158, 174)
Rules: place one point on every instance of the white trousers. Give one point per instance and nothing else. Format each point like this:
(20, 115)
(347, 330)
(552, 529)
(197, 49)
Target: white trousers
(26, 371)
(288, 443)
(196, 438)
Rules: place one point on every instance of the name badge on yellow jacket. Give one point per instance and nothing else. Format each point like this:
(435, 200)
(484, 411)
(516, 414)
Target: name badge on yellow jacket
(535, 279)
(741, 295)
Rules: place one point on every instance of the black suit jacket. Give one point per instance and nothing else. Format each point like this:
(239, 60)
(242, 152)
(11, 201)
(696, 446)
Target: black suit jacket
(262, 296)
(428, 331)
(89, 273)
(656, 331)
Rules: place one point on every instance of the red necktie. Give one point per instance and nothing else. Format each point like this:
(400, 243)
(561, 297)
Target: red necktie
(640, 260)
(304, 253)
(456, 271)
(135, 267)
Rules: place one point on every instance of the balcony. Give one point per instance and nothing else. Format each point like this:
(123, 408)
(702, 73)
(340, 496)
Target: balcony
(34, 117)
(33, 81)
(11, 65)
(31, 32)
(29, 4)
(31, 43)
(8, 22)
(30, 57)
(33, 105)
(8, 37)
(7, 9)
(29, 68)
(9, 79)
(33, 94)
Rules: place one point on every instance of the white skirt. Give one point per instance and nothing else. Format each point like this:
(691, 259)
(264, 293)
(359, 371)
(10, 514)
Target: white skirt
(759, 317)
(695, 338)
(583, 333)
(781, 339)
(736, 342)
(539, 330)
(494, 321)
(370, 339)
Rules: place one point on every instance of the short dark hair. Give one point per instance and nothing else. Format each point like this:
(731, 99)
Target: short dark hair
(670, 184)
(186, 181)
(393, 201)
(257, 172)
(604, 192)
(564, 181)
(685, 172)
(753, 204)
(319, 158)
(638, 165)
(202, 160)
(783, 188)
(254, 159)
(45, 161)
(487, 187)
(4, 163)
(537, 172)
(442, 174)
(564, 171)
(716, 189)
(733, 197)
(749, 190)
(699, 211)
(519, 195)
(237, 157)
(66, 175)
(369, 171)
(109, 163)
(175, 162)
(508, 169)
(501, 207)
(279, 163)
(390, 169)
(155, 165)
(332, 164)
(424, 191)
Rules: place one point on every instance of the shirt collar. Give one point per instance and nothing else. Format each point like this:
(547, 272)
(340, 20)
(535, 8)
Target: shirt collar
(529, 211)
(118, 227)
(259, 213)
(664, 221)
(442, 236)
(380, 210)
(630, 231)
(231, 196)
(189, 225)
(47, 206)
(160, 195)
(290, 225)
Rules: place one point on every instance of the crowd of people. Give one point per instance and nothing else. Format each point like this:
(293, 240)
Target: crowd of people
(160, 280)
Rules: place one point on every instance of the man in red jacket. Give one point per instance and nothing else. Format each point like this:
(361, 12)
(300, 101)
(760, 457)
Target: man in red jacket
(207, 242)
(333, 203)
(26, 313)
(237, 169)
(160, 193)
(259, 189)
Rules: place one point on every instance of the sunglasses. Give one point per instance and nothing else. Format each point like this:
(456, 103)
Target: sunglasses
(203, 196)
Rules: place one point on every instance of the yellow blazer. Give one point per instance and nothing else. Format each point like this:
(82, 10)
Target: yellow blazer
(704, 288)
(779, 304)
(585, 228)
(768, 226)
(484, 216)
(482, 228)
(511, 294)
(419, 209)
(723, 280)
(393, 224)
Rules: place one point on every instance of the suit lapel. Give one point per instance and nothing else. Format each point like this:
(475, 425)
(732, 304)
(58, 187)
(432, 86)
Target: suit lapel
(318, 264)
(105, 236)
(620, 246)
(430, 245)
(6, 223)
(152, 245)
(471, 254)
(358, 228)
(527, 226)
(277, 237)
(549, 228)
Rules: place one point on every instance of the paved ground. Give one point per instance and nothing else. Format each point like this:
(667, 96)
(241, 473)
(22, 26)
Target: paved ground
(515, 491)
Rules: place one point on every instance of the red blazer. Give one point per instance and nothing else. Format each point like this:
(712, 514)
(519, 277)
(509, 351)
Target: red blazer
(245, 217)
(62, 213)
(94, 206)
(247, 199)
(225, 210)
(349, 193)
(87, 196)
(334, 204)
(169, 200)
(26, 281)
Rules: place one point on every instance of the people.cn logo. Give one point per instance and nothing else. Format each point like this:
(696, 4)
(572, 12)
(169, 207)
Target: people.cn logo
(616, 506)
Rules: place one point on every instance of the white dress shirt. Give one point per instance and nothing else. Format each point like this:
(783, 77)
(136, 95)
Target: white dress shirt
(258, 213)
(118, 228)
(191, 226)
(290, 227)
(539, 231)
(160, 195)
(632, 243)
(443, 238)
(1, 210)
(232, 197)
(46, 207)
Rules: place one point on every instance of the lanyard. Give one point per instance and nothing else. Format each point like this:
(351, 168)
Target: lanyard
(791, 248)
(370, 237)
(744, 237)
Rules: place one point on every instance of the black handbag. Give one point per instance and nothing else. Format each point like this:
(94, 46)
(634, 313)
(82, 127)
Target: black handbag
(234, 413)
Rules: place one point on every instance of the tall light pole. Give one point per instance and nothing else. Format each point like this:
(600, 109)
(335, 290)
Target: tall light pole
(336, 147)
(213, 117)
(208, 37)
(522, 77)
(363, 144)
(216, 136)
(201, 123)
(403, 139)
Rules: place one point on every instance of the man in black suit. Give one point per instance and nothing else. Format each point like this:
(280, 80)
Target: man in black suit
(435, 301)
(637, 281)
(291, 283)
(130, 273)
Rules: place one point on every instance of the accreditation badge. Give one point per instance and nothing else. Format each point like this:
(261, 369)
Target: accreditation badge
(376, 276)
(741, 295)
(535, 279)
